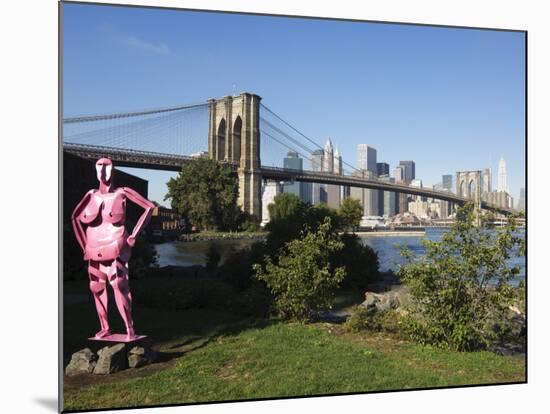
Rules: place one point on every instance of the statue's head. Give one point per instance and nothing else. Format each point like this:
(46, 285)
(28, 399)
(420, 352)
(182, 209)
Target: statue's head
(104, 168)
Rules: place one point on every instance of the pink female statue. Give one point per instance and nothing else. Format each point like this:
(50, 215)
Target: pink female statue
(107, 245)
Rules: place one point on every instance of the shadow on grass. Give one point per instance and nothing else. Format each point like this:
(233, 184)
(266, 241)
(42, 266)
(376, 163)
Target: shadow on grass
(172, 333)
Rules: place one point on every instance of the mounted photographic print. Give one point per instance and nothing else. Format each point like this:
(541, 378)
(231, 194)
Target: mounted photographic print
(261, 206)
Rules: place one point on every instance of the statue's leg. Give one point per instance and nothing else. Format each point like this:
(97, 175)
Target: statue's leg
(98, 286)
(123, 297)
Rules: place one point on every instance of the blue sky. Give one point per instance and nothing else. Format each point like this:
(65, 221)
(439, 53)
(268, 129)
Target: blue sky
(449, 99)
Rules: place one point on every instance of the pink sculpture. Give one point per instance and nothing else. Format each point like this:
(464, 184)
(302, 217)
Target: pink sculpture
(107, 245)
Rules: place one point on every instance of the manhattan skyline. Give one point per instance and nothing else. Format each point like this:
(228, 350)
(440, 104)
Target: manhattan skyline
(449, 99)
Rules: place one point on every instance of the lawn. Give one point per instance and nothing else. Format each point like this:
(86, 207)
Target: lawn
(245, 359)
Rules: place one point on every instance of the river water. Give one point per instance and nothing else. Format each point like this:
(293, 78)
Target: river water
(387, 247)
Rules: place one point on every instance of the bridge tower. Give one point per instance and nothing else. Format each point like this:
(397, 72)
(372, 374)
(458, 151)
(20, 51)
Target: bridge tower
(234, 136)
(469, 185)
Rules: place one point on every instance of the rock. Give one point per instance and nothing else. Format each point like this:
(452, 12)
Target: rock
(371, 299)
(383, 302)
(111, 359)
(139, 356)
(82, 362)
(389, 301)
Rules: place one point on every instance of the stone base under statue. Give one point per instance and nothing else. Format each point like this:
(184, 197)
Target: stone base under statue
(121, 338)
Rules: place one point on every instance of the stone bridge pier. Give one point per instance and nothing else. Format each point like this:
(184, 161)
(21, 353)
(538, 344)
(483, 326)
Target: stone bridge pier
(234, 136)
(469, 185)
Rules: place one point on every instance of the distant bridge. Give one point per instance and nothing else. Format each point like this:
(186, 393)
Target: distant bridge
(239, 134)
(170, 162)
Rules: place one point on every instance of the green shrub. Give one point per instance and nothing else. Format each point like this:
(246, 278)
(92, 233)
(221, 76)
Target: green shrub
(237, 267)
(362, 319)
(360, 262)
(462, 283)
(248, 222)
(303, 281)
(370, 319)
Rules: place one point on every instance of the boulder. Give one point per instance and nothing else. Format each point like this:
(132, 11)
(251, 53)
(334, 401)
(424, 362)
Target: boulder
(371, 299)
(383, 302)
(82, 362)
(111, 359)
(139, 356)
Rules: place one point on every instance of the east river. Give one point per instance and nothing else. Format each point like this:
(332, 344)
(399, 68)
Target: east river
(387, 247)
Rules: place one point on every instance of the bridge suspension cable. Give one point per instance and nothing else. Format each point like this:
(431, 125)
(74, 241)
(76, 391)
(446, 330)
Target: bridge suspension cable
(92, 118)
(317, 146)
(179, 130)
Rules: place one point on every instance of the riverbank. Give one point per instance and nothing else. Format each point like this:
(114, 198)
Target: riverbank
(212, 236)
(390, 233)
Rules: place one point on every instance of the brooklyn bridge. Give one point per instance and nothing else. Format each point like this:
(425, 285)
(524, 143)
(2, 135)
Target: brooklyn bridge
(237, 130)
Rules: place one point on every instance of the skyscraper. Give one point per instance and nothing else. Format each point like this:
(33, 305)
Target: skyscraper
(292, 162)
(367, 198)
(328, 156)
(334, 192)
(409, 171)
(447, 182)
(366, 163)
(366, 158)
(486, 181)
(318, 193)
(382, 168)
(302, 190)
(401, 200)
(386, 199)
(502, 180)
(399, 174)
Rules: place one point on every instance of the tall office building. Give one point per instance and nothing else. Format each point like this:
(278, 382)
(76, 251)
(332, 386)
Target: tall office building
(387, 199)
(382, 168)
(502, 179)
(302, 190)
(318, 193)
(334, 192)
(401, 199)
(366, 158)
(409, 171)
(367, 198)
(383, 172)
(366, 161)
(399, 174)
(486, 181)
(447, 182)
(292, 162)
(328, 156)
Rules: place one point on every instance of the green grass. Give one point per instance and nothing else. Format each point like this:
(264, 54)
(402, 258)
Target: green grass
(290, 359)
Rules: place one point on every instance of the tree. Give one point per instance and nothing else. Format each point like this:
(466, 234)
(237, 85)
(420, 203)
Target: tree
(461, 284)
(287, 217)
(206, 192)
(350, 213)
(302, 281)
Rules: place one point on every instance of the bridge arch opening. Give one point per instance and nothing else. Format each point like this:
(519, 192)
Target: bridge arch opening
(237, 128)
(220, 141)
(472, 189)
(462, 189)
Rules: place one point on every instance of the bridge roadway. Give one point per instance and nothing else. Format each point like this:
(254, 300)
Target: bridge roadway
(170, 162)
